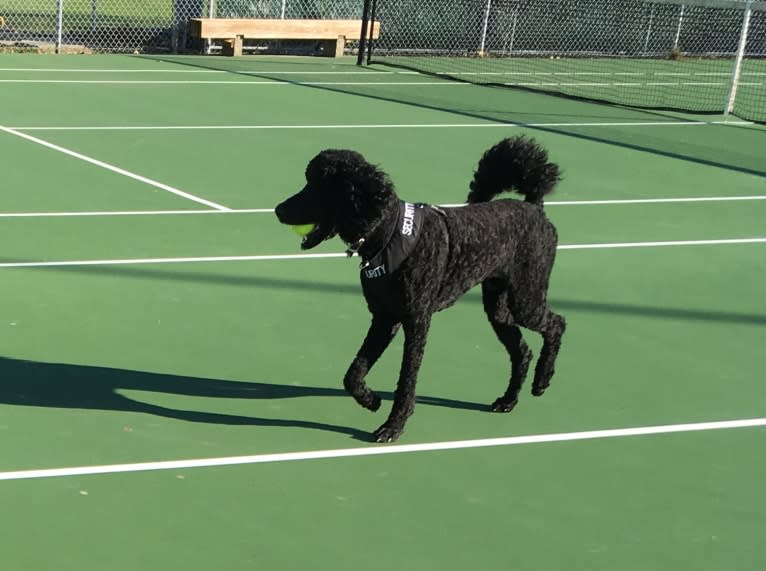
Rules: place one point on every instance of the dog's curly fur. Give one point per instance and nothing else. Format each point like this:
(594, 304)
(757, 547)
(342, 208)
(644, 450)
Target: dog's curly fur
(507, 246)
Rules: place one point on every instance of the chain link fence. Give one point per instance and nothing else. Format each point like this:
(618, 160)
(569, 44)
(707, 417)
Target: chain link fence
(140, 25)
(601, 28)
(663, 54)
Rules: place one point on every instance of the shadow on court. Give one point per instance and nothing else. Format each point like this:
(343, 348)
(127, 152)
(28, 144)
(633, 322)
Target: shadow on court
(266, 282)
(58, 385)
(504, 111)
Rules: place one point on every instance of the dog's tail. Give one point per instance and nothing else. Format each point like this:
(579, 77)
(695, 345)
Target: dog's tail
(518, 164)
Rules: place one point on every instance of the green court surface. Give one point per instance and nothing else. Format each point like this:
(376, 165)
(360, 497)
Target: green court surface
(151, 311)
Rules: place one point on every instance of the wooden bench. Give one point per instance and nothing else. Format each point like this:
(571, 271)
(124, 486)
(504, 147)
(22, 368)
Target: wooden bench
(333, 33)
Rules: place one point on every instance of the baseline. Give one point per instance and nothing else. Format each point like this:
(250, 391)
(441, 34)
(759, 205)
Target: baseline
(269, 257)
(615, 202)
(381, 450)
(487, 125)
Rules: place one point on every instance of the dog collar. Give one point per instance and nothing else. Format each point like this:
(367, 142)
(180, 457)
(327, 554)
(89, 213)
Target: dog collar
(353, 248)
(398, 248)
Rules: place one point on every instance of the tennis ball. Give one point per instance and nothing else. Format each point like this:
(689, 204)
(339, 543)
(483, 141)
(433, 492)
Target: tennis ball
(303, 229)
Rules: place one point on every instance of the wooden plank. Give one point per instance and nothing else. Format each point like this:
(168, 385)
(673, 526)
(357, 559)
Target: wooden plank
(209, 28)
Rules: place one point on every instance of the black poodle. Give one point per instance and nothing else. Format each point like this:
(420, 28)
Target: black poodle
(419, 259)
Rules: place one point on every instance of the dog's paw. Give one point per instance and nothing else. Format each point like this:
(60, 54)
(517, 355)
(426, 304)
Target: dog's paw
(538, 390)
(504, 405)
(387, 434)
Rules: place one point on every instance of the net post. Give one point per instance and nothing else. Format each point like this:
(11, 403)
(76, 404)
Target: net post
(484, 28)
(370, 43)
(363, 33)
(59, 24)
(735, 76)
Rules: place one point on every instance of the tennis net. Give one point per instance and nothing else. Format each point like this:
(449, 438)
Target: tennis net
(706, 56)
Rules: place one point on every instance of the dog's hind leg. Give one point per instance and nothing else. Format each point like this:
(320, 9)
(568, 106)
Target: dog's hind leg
(415, 331)
(379, 337)
(496, 307)
(551, 326)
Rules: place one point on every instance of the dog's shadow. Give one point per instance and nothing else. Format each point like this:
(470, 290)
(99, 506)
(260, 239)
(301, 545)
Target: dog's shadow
(55, 385)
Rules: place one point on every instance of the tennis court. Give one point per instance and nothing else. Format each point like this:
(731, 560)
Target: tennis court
(171, 365)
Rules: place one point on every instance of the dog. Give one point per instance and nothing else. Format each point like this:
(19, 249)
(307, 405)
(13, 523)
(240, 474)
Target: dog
(419, 259)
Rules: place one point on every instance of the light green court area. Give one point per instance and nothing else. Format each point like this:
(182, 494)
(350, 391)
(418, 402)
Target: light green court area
(124, 363)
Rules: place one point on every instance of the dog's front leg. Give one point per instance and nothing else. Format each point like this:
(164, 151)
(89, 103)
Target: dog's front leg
(415, 332)
(382, 331)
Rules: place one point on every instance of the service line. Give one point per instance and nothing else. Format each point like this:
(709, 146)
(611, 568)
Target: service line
(380, 450)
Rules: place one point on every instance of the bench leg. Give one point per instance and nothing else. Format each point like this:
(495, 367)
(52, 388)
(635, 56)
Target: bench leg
(340, 44)
(238, 41)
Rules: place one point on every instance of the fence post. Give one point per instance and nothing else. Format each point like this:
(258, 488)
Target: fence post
(284, 6)
(59, 24)
(678, 30)
(484, 29)
(730, 100)
(649, 30)
(513, 27)
(210, 14)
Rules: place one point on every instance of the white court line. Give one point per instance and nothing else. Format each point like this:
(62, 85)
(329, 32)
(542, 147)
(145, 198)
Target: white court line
(380, 450)
(487, 125)
(113, 168)
(218, 71)
(141, 261)
(623, 84)
(271, 210)
(133, 213)
(209, 259)
(654, 200)
(363, 72)
(444, 83)
(662, 244)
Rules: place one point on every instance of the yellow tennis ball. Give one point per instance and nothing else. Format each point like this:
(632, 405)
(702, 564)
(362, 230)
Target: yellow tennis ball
(303, 229)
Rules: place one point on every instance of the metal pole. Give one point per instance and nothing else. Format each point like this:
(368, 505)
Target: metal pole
(513, 28)
(373, 15)
(210, 14)
(59, 24)
(738, 60)
(484, 29)
(284, 5)
(363, 33)
(649, 29)
(678, 30)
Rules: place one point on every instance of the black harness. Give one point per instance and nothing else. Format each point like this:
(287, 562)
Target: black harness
(376, 272)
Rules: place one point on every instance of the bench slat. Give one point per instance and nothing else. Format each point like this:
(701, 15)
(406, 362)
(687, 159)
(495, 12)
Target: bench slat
(261, 29)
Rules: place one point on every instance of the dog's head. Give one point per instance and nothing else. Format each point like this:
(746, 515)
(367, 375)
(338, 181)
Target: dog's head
(344, 195)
